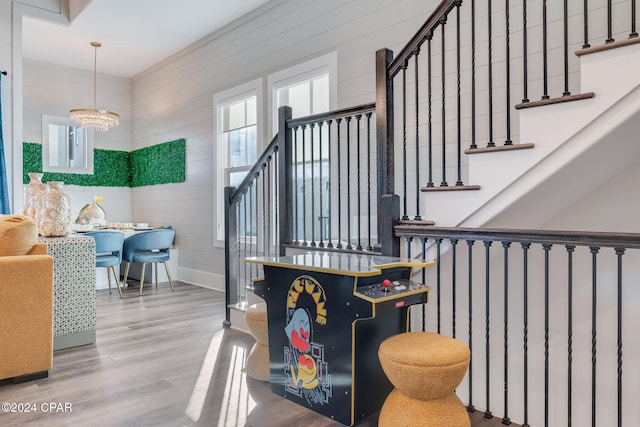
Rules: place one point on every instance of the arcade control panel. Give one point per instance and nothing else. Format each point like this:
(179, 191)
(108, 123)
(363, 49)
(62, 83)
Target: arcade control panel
(390, 290)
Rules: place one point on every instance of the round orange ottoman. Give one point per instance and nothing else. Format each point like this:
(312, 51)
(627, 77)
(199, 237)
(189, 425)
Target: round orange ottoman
(425, 369)
(258, 360)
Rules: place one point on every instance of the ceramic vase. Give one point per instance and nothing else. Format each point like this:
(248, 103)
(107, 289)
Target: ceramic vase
(55, 215)
(37, 203)
(31, 192)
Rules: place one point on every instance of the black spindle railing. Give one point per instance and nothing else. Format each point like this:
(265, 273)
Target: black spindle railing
(346, 132)
(594, 257)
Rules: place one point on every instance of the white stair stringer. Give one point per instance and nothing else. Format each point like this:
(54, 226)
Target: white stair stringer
(560, 132)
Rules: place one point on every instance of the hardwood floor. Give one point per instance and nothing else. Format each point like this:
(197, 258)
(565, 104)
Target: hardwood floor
(162, 359)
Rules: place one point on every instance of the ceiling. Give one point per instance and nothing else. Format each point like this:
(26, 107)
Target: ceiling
(134, 34)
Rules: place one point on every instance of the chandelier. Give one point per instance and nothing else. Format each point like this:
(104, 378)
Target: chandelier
(93, 118)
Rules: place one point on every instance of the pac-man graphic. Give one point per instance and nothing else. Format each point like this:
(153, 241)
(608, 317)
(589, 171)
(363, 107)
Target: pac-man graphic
(298, 330)
(306, 370)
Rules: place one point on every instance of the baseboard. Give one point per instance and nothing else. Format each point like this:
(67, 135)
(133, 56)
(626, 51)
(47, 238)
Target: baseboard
(201, 278)
(29, 377)
(74, 340)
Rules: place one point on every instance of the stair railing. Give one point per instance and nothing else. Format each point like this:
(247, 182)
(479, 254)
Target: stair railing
(452, 89)
(546, 314)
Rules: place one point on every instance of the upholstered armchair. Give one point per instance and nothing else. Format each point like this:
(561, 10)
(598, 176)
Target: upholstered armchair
(26, 301)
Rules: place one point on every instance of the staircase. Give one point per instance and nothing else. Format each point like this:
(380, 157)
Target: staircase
(599, 126)
(449, 144)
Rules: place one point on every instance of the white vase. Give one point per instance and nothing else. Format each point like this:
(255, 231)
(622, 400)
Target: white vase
(55, 215)
(31, 194)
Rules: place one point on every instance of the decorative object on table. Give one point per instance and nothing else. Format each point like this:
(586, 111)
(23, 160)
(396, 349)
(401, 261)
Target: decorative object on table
(37, 203)
(31, 192)
(92, 213)
(55, 216)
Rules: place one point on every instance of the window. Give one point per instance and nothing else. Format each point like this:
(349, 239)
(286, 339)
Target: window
(66, 148)
(308, 88)
(237, 129)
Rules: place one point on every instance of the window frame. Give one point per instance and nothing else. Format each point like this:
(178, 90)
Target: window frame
(221, 99)
(325, 64)
(47, 120)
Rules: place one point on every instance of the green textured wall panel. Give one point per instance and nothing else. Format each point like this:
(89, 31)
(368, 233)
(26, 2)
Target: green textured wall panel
(158, 164)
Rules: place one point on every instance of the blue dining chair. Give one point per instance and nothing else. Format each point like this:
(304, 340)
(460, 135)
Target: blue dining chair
(148, 247)
(109, 253)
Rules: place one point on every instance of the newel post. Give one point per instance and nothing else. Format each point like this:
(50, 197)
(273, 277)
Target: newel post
(385, 147)
(230, 259)
(285, 186)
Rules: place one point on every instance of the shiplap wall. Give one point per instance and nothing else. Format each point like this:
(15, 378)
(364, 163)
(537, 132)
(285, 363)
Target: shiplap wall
(174, 99)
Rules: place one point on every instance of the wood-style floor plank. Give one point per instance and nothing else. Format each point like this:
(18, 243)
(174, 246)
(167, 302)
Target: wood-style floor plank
(162, 359)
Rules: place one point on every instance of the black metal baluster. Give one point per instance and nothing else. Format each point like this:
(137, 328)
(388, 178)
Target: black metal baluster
(508, 72)
(265, 211)
(369, 247)
(458, 96)
(358, 118)
(417, 217)
(546, 248)
(444, 110)
(525, 82)
(473, 75)
(246, 232)
(566, 49)
(585, 24)
(470, 243)
(487, 246)
(619, 253)
(254, 231)
(423, 240)
(505, 419)
(570, 250)
(633, 33)
(405, 217)
(330, 216)
(241, 265)
(348, 120)
(276, 217)
(295, 195)
(609, 23)
(320, 185)
(454, 243)
(525, 330)
(429, 112)
(313, 187)
(438, 241)
(271, 191)
(304, 187)
(339, 245)
(594, 304)
(545, 64)
(409, 239)
(490, 72)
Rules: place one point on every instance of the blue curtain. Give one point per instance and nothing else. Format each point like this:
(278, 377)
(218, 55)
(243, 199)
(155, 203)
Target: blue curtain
(4, 192)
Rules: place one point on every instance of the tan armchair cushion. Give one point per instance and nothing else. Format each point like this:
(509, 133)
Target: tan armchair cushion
(18, 234)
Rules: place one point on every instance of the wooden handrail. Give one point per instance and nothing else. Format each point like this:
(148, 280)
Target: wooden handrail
(332, 115)
(563, 237)
(436, 18)
(271, 148)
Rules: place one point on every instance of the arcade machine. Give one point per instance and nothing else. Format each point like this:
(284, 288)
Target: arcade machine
(327, 314)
